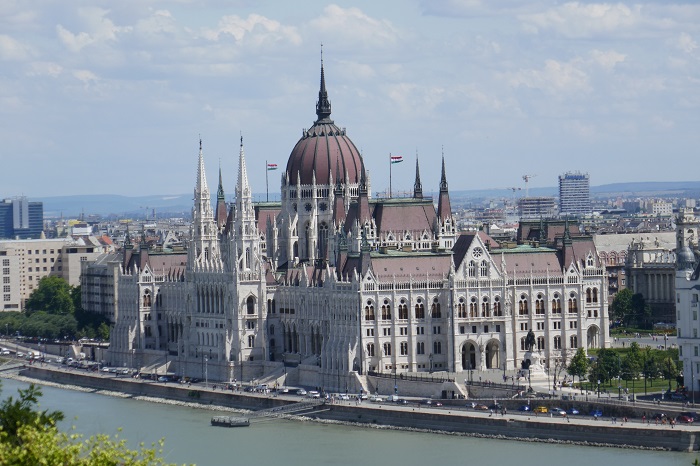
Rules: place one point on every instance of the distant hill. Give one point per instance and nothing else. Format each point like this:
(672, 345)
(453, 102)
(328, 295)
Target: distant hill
(126, 206)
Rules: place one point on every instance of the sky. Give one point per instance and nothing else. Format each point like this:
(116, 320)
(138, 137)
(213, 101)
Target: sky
(101, 97)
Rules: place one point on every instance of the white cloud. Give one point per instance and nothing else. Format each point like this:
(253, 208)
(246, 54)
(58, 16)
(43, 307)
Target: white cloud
(255, 29)
(14, 50)
(51, 69)
(607, 59)
(555, 77)
(686, 43)
(99, 29)
(85, 76)
(578, 19)
(353, 26)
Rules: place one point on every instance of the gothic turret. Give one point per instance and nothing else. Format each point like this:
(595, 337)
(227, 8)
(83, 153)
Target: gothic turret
(221, 211)
(205, 237)
(444, 208)
(417, 185)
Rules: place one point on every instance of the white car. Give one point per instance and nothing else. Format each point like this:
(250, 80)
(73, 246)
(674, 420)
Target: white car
(301, 392)
(343, 396)
(375, 399)
(5, 352)
(313, 394)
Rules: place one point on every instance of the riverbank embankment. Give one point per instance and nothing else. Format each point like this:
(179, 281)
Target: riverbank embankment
(582, 431)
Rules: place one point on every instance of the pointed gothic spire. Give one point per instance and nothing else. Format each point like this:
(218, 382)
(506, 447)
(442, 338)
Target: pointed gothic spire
(201, 187)
(220, 190)
(444, 207)
(243, 187)
(221, 211)
(417, 185)
(323, 106)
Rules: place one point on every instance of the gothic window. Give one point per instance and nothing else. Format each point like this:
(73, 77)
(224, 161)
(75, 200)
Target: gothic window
(473, 312)
(472, 269)
(523, 308)
(247, 258)
(403, 310)
(573, 304)
(322, 240)
(250, 305)
(522, 343)
(539, 305)
(595, 295)
(556, 304)
(420, 347)
(387, 349)
(386, 310)
(484, 269)
(404, 348)
(437, 347)
(420, 310)
(369, 311)
(485, 308)
(497, 307)
(573, 341)
(147, 298)
(589, 296)
(540, 343)
(461, 309)
(370, 350)
(251, 341)
(435, 309)
(557, 342)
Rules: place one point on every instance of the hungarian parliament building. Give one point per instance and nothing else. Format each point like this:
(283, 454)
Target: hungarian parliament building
(334, 286)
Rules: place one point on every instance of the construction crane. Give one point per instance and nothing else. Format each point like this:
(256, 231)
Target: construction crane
(527, 178)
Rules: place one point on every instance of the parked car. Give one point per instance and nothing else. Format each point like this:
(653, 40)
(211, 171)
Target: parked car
(541, 409)
(375, 399)
(691, 414)
(524, 408)
(5, 352)
(573, 411)
(558, 412)
(597, 413)
(683, 419)
(678, 396)
(426, 402)
(343, 396)
(479, 407)
(301, 392)
(401, 401)
(313, 394)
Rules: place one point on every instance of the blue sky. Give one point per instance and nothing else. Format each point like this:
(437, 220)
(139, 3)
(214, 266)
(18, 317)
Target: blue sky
(111, 97)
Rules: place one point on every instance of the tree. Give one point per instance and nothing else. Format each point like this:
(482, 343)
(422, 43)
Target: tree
(621, 307)
(579, 364)
(29, 437)
(53, 295)
(632, 362)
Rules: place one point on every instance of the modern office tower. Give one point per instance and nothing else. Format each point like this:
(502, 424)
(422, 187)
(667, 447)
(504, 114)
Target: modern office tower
(21, 219)
(574, 193)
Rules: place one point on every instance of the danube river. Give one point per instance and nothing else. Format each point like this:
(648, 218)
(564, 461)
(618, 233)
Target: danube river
(190, 439)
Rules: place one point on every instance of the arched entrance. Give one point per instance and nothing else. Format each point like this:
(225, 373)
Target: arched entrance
(592, 336)
(469, 357)
(493, 355)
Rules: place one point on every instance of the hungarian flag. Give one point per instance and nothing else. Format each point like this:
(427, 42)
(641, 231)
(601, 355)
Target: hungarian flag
(271, 166)
(396, 158)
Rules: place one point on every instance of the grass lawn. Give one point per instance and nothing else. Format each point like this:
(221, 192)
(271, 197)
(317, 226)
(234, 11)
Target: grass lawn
(636, 386)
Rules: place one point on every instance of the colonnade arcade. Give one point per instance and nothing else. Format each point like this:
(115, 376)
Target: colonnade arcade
(479, 357)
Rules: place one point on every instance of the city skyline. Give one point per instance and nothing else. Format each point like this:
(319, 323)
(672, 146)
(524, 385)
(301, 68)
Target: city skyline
(113, 101)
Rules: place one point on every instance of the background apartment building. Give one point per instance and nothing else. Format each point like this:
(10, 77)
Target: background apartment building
(20, 218)
(574, 194)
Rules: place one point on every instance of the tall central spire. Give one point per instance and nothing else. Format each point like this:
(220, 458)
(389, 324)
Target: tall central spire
(323, 106)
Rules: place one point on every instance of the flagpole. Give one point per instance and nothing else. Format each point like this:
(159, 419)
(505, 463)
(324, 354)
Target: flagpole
(267, 190)
(390, 164)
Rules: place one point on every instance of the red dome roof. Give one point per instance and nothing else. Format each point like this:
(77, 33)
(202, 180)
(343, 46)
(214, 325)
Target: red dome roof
(326, 151)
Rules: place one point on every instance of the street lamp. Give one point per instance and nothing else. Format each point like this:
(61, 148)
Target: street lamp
(206, 372)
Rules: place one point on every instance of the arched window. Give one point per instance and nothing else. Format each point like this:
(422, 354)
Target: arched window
(539, 305)
(461, 309)
(589, 296)
(522, 343)
(437, 347)
(573, 340)
(556, 304)
(247, 258)
(403, 310)
(420, 310)
(472, 269)
(387, 349)
(573, 304)
(370, 350)
(484, 269)
(595, 295)
(386, 310)
(250, 305)
(485, 308)
(523, 308)
(251, 341)
(557, 342)
(540, 343)
(322, 240)
(435, 309)
(473, 312)
(369, 311)
(497, 312)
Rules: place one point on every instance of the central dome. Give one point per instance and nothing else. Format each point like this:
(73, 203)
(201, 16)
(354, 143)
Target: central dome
(324, 150)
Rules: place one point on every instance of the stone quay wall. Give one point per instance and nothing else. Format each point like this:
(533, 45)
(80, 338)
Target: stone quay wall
(580, 431)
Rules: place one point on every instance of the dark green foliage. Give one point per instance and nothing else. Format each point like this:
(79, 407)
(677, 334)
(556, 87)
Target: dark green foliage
(53, 295)
(23, 411)
(579, 364)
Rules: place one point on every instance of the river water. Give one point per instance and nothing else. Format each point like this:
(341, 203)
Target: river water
(190, 439)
